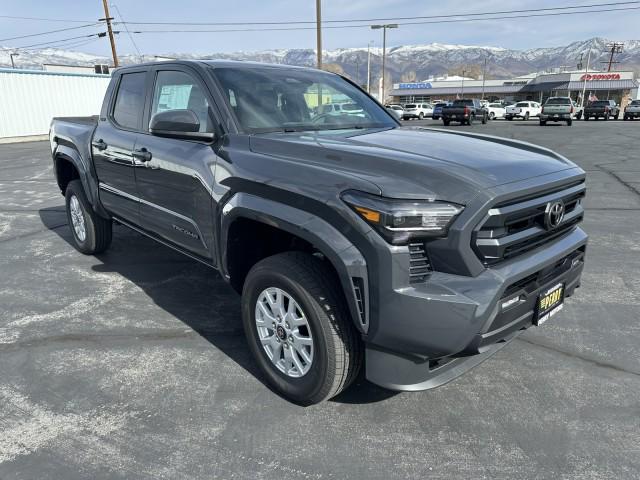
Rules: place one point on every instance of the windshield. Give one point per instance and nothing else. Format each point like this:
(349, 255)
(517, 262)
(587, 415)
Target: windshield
(462, 102)
(267, 99)
(600, 103)
(441, 104)
(410, 105)
(558, 101)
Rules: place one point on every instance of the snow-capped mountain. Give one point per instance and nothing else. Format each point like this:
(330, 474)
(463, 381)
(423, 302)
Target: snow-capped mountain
(405, 63)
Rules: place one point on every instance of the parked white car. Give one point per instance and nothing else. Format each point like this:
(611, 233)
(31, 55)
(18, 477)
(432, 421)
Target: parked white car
(417, 110)
(396, 110)
(496, 110)
(523, 110)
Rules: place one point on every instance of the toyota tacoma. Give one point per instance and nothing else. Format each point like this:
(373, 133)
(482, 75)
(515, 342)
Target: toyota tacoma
(412, 254)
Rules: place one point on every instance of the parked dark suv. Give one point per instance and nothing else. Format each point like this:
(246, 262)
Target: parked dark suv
(416, 252)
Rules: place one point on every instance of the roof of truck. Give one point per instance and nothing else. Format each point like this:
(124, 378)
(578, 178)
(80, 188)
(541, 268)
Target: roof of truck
(215, 63)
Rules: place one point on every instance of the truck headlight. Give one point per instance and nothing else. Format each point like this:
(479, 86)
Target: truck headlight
(399, 221)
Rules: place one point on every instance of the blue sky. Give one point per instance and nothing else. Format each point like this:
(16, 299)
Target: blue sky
(510, 33)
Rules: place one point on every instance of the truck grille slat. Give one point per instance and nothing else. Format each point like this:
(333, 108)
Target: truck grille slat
(515, 227)
(419, 264)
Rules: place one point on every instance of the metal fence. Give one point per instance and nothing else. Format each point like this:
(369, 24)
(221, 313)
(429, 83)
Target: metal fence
(29, 99)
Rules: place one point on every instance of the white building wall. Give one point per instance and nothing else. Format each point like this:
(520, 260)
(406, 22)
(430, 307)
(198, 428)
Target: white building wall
(30, 99)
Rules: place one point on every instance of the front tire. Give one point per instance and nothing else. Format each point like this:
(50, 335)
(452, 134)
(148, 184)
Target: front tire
(569, 122)
(526, 116)
(299, 329)
(446, 122)
(91, 233)
(492, 116)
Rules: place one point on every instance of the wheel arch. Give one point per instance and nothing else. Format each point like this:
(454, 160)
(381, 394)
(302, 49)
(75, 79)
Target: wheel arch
(312, 231)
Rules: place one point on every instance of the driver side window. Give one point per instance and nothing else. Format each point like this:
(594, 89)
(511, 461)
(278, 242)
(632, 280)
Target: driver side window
(175, 90)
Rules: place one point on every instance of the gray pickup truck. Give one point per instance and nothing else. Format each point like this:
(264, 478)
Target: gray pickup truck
(353, 241)
(632, 111)
(557, 109)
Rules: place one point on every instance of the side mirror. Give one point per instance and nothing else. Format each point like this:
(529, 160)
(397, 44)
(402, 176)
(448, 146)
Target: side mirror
(178, 124)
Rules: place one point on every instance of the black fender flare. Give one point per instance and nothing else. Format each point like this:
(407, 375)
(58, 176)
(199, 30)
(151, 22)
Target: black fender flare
(343, 255)
(68, 152)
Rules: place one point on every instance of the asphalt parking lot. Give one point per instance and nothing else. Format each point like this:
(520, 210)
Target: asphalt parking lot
(133, 364)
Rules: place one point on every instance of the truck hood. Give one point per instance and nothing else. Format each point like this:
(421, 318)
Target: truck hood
(417, 162)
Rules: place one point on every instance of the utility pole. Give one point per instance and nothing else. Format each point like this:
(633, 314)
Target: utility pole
(484, 74)
(384, 51)
(318, 32)
(462, 89)
(586, 70)
(107, 18)
(369, 67)
(613, 48)
(13, 65)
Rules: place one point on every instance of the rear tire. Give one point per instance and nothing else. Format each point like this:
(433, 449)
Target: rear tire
(335, 349)
(586, 118)
(606, 118)
(484, 119)
(91, 233)
(446, 122)
(526, 116)
(509, 118)
(420, 116)
(543, 123)
(492, 116)
(569, 123)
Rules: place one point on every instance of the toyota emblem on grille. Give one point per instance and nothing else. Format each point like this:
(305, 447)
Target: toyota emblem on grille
(553, 215)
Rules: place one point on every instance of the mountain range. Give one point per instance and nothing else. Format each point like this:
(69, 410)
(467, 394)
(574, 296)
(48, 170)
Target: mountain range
(404, 63)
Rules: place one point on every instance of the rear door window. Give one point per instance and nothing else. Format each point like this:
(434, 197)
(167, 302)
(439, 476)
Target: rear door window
(129, 104)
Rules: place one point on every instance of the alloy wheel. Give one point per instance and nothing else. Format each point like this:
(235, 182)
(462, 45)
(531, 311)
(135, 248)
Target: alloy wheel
(77, 219)
(284, 332)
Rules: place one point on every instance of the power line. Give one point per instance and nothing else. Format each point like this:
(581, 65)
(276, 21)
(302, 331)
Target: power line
(476, 14)
(49, 32)
(400, 23)
(64, 20)
(127, 29)
(51, 42)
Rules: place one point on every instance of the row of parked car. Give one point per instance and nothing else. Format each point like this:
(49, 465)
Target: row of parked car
(555, 109)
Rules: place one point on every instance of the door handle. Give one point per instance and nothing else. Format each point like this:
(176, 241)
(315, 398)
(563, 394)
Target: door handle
(143, 155)
(99, 145)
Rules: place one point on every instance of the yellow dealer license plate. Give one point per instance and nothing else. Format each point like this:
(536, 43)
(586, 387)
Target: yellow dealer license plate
(550, 302)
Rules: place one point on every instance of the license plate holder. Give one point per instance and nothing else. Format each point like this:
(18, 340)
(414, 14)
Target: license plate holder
(549, 303)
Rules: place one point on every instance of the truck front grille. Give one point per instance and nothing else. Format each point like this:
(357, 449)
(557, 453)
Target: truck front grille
(515, 227)
(419, 265)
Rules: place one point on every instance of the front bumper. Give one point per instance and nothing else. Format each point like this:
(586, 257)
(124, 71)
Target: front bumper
(435, 331)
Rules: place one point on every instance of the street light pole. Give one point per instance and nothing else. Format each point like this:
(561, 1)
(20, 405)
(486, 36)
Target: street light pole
(584, 85)
(369, 67)
(13, 65)
(384, 51)
(319, 32)
(462, 90)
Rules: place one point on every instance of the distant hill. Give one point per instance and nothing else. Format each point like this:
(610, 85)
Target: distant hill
(405, 63)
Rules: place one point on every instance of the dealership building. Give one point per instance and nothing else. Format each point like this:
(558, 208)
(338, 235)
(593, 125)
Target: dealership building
(619, 86)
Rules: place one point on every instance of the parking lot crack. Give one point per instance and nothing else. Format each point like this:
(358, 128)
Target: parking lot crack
(592, 361)
(620, 179)
(98, 338)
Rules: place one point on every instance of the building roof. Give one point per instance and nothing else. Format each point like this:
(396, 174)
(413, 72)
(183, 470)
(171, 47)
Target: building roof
(604, 85)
